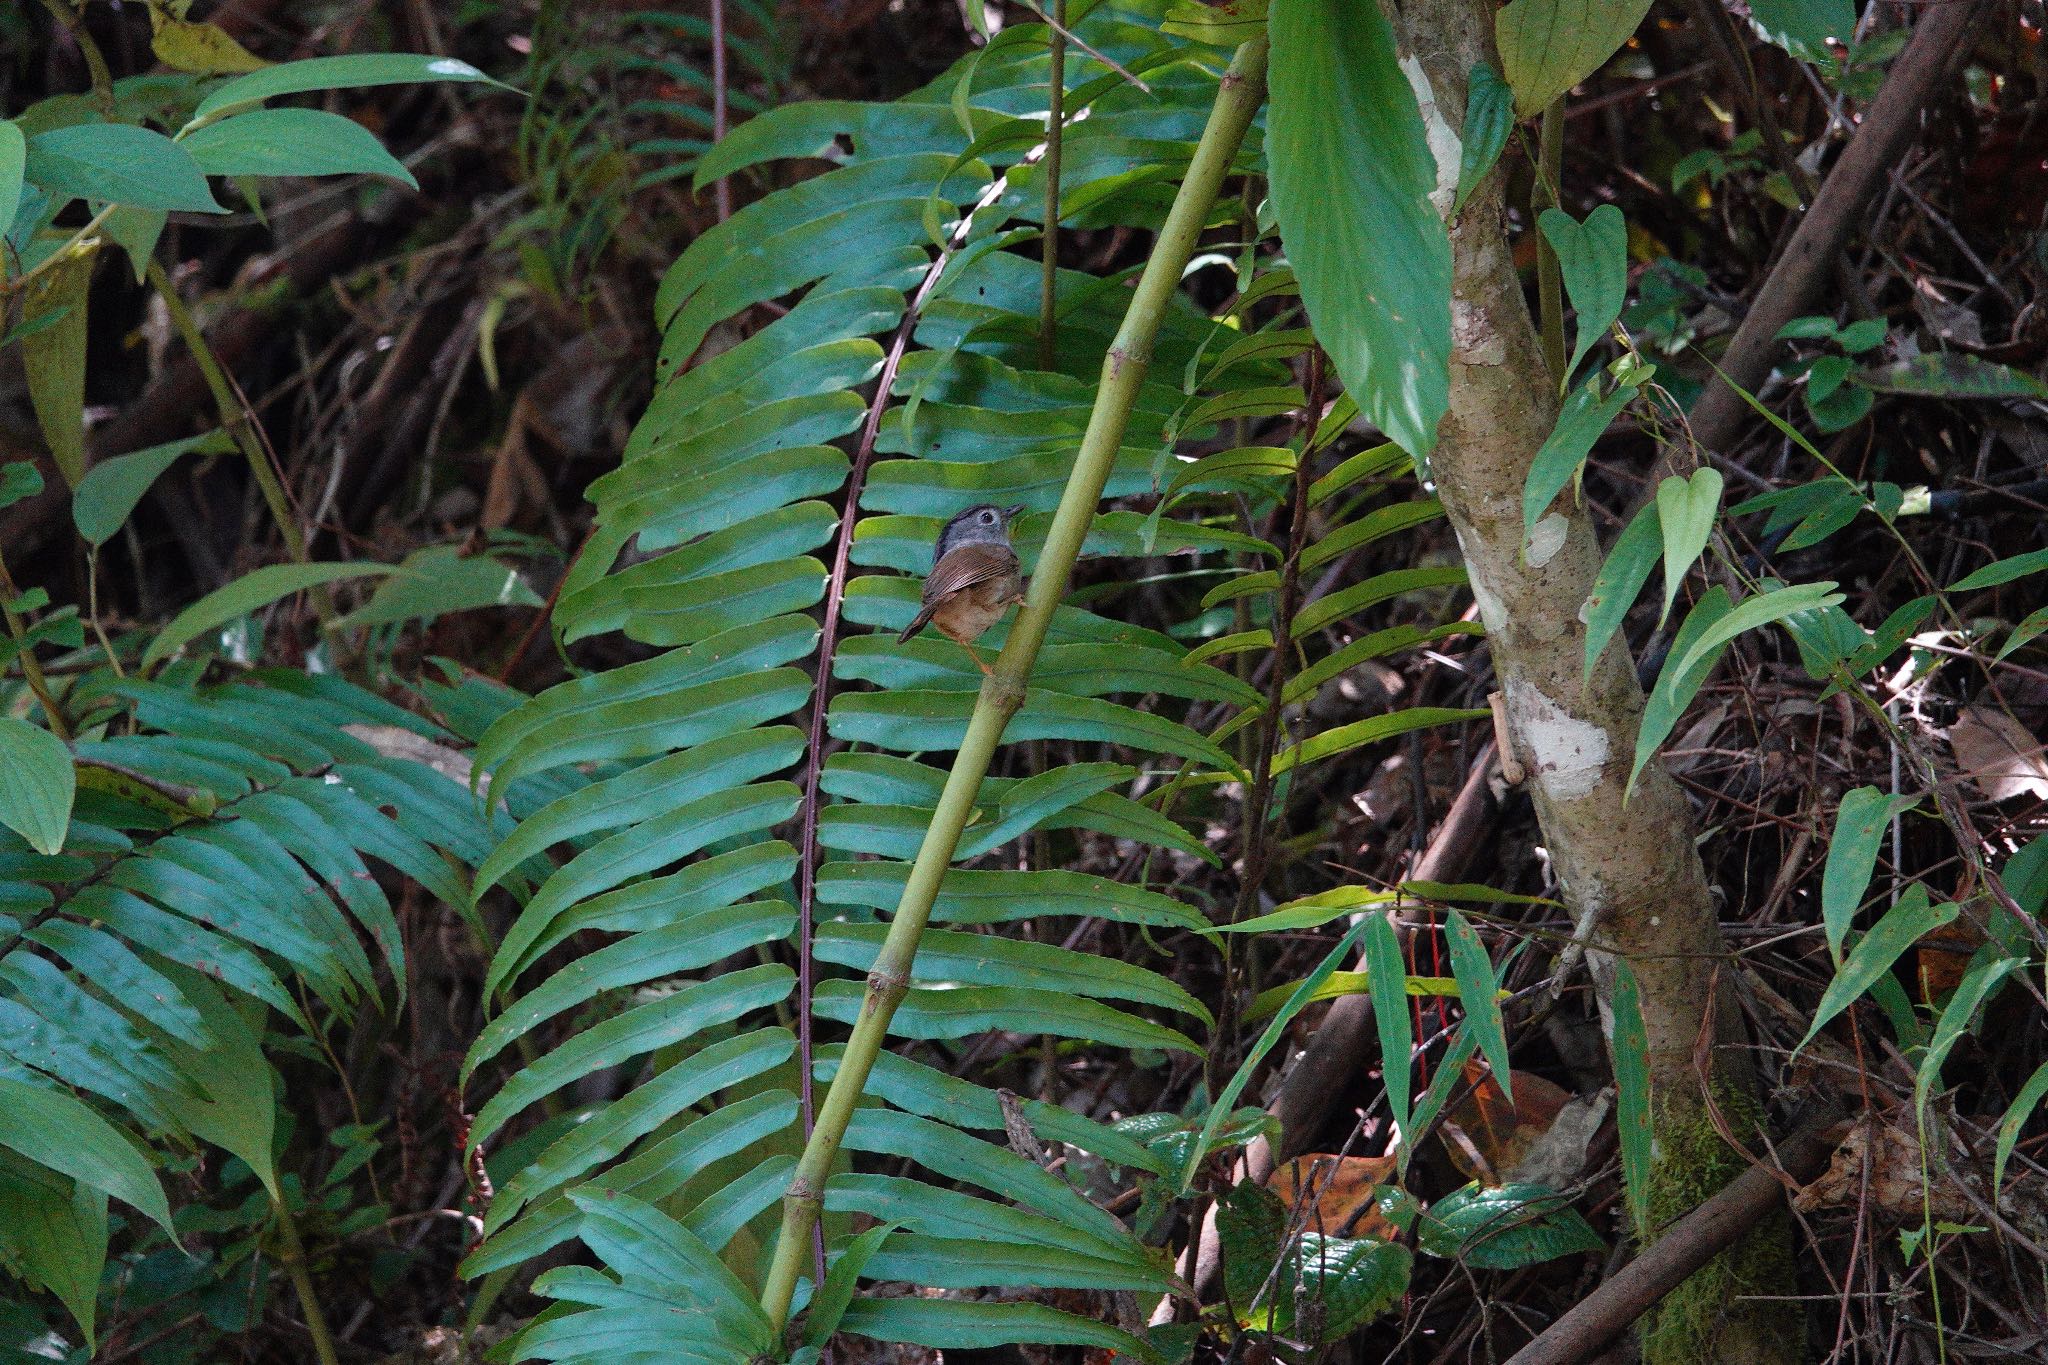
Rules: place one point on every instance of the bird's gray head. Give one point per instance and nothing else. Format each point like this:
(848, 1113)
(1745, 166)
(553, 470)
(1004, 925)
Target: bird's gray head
(982, 524)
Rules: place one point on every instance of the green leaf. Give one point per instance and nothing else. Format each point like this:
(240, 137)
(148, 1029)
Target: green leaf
(1712, 623)
(1581, 422)
(1354, 1279)
(1352, 175)
(1951, 374)
(21, 479)
(54, 1237)
(351, 72)
(842, 1279)
(1479, 993)
(1593, 257)
(1803, 27)
(53, 1129)
(1389, 975)
(111, 489)
(1622, 576)
(1860, 825)
(2002, 571)
(2016, 1115)
(1549, 46)
(2030, 629)
(1976, 987)
(252, 591)
(1902, 926)
(13, 160)
(1633, 1101)
(119, 163)
(292, 142)
(235, 1107)
(1489, 118)
(1685, 512)
(439, 581)
(37, 784)
(1505, 1227)
(970, 1325)
(54, 356)
(1274, 1031)
(1371, 730)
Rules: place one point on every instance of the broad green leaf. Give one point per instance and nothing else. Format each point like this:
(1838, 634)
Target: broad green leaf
(1593, 257)
(251, 592)
(1356, 598)
(1351, 178)
(54, 1129)
(1852, 856)
(1621, 579)
(968, 1325)
(2002, 571)
(1505, 1227)
(842, 1279)
(1489, 118)
(439, 581)
(55, 1237)
(1479, 993)
(1762, 609)
(111, 489)
(292, 142)
(118, 163)
(1902, 926)
(962, 1011)
(21, 479)
(236, 1105)
(2016, 1115)
(1371, 730)
(13, 160)
(1685, 514)
(1580, 423)
(642, 1244)
(1549, 46)
(1803, 27)
(136, 232)
(350, 72)
(1951, 374)
(37, 784)
(54, 356)
(1675, 688)
(1389, 975)
(1977, 986)
(2026, 631)
(989, 960)
(1633, 1104)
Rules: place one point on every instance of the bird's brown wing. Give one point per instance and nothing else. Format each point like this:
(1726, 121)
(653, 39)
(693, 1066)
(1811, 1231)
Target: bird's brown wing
(963, 567)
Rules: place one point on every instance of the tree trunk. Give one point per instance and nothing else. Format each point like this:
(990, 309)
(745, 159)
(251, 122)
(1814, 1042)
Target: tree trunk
(1629, 871)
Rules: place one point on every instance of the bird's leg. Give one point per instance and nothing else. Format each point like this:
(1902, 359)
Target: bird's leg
(977, 659)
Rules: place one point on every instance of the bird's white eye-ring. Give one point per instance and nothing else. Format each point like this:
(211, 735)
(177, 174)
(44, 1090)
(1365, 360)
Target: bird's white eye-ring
(988, 518)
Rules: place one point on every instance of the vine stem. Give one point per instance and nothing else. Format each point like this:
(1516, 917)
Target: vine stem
(293, 1253)
(828, 643)
(1123, 369)
(722, 189)
(1055, 120)
(1548, 193)
(31, 667)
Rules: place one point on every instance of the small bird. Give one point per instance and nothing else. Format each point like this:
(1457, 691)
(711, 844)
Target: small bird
(975, 576)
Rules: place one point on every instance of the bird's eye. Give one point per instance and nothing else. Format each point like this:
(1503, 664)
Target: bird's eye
(988, 518)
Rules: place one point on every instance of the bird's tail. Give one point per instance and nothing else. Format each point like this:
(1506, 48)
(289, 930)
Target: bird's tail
(917, 623)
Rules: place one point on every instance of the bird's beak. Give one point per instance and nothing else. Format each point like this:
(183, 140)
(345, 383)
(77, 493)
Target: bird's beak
(1012, 513)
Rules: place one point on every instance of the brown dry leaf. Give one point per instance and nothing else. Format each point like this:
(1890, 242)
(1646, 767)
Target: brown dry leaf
(1343, 1189)
(1892, 1155)
(1995, 751)
(1943, 955)
(1501, 1133)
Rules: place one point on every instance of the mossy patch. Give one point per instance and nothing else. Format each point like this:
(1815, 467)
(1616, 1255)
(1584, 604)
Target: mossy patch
(1707, 1318)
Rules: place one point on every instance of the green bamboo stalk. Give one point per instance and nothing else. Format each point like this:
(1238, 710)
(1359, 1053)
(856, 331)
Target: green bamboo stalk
(1123, 369)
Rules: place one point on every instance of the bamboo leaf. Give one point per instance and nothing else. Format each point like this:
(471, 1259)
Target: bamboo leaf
(1852, 856)
(1634, 1104)
(1905, 924)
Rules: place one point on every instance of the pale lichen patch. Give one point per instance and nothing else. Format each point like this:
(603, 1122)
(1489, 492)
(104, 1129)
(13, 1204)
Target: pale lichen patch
(1565, 754)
